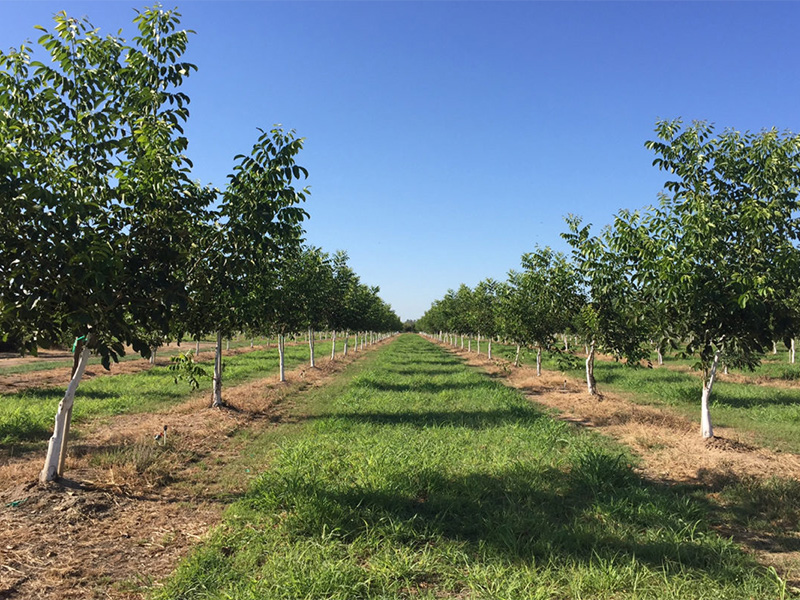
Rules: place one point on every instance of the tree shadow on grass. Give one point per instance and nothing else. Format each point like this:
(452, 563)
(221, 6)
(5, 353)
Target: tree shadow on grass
(478, 419)
(524, 513)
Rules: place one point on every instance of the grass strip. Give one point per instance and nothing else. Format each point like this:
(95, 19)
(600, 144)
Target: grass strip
(422, 478)
(26, 417)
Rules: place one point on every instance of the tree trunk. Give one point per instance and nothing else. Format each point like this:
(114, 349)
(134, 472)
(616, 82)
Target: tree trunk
(792, 353)
(591, 384)
(462, 341)
(479, 343)
(469, 344)
(660, 356)
(355, 342)
(57, 447)
(197, 347)
(282, 356)
(153, 351)
(706, 429)
(566, 343)
(774, 347)
(490, 349)
(346, 340)
(539, 361)
(216, 382)
(333, 344)
(516, 358)
(227, 344)
(311, 346)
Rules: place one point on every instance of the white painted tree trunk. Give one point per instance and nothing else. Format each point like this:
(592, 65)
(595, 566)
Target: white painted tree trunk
(479, 343)
(311, 346)
(333, 344)
(57, 448)
(706, 429)
(660, 356)
(252, 342)
(153, 351)
(282, 356)
(591, 384)
(216, 382)
(346, 340)
(774, 347)
(197, 347)
(566, 343)
(516, 358)
(469, 344)
(462, 341)
(355, 342)
(539, 361)
(490, 349)
(227, 344)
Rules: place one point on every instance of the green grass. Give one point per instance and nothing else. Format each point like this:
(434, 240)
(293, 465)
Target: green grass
(26, 418)
(33, 364)
(420, 478)
(770, 412)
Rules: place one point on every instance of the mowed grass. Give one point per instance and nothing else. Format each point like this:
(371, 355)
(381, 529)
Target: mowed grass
(769, 411)
(421, 478)
(27, 417)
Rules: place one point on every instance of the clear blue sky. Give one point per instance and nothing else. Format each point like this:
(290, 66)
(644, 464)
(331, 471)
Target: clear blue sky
(444, 139)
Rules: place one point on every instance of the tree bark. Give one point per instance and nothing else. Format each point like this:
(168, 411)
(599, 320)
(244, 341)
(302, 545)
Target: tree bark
(479, 343)
(153, 351)
(346, 340)
(490, 349)
(462, 341)
(333, 344)
(774, 347)
(216, 382)
(706, 429)
(660, 356)
(197, 347)
(539, 361)
(311, 346)
(469, 344)
(591, 384)
(282, 356)
(566, 343)
(516, 358)
(57, 447)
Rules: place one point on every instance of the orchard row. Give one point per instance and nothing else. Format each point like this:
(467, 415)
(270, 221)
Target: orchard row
(105, 237)
(713, 270)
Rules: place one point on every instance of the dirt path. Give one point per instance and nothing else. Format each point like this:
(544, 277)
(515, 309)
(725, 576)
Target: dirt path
(133, 508)
(671, 449)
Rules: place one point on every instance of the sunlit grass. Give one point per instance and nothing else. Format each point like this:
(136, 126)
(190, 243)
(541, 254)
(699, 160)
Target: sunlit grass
(421, 478)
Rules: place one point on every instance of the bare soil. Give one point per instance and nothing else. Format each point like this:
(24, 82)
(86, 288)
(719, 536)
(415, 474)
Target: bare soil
(133, 506)
(670, 446)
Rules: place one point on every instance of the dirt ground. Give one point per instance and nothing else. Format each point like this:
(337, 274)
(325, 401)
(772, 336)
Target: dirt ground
(671, 449)
(131, 507)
